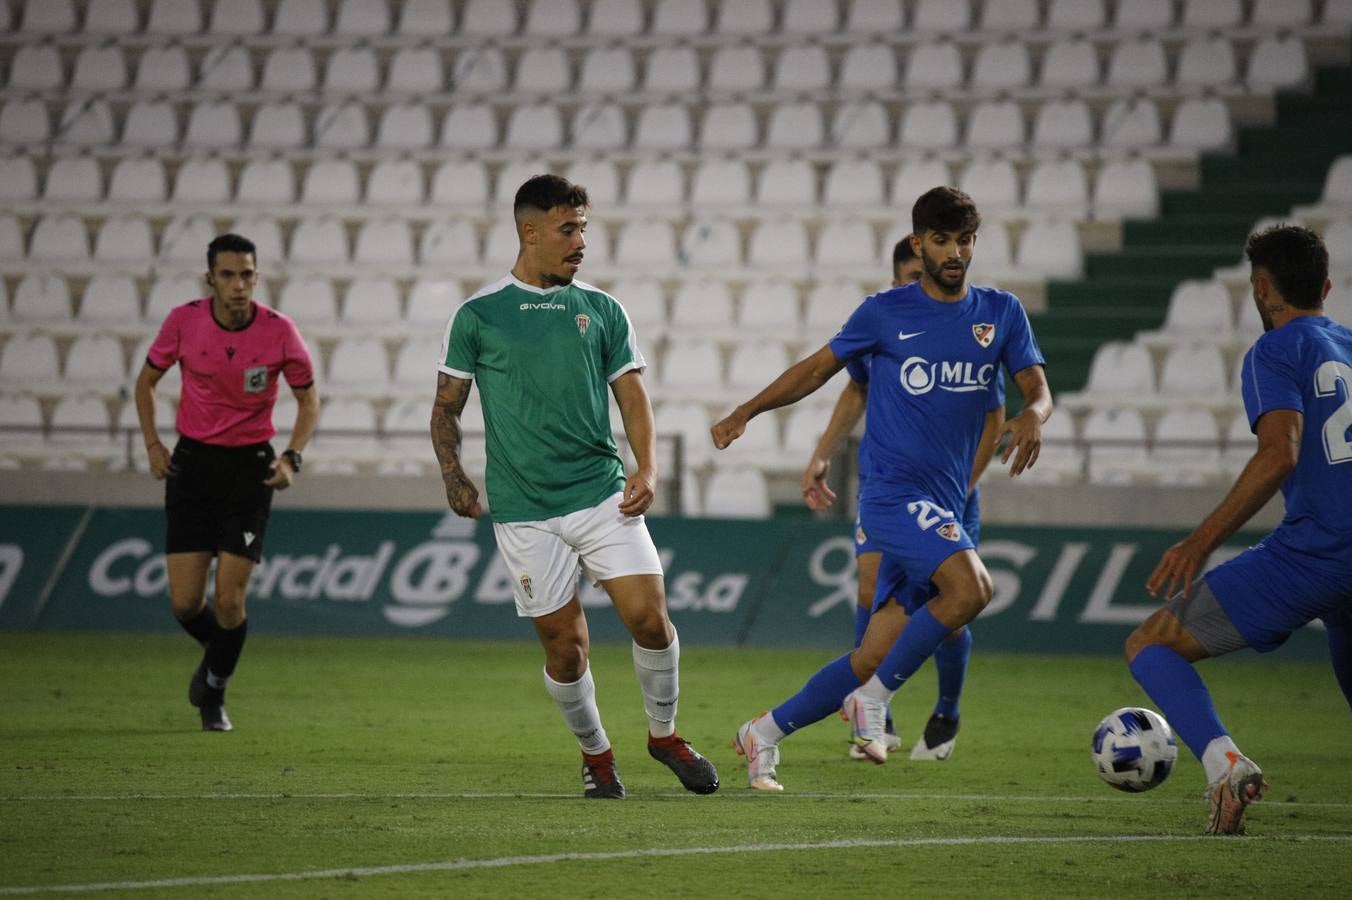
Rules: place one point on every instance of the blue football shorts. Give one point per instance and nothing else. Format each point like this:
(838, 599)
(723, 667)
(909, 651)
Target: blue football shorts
(1269, 591)
(915, 535)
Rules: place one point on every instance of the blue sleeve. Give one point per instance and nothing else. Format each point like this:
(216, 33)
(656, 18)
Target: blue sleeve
(857, 369)
(1021, 349)
(859, 334)
(1269, 381)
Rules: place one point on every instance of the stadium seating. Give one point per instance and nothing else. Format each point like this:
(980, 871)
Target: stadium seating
(749, 163)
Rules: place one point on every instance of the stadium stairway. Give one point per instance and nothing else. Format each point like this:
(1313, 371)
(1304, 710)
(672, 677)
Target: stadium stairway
(1275, 168)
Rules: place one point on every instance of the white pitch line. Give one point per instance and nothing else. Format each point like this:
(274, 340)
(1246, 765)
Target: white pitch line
(503, 862)
(729, 794)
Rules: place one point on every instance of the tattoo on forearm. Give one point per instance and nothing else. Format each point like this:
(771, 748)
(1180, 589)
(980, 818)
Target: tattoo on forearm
(452, 393)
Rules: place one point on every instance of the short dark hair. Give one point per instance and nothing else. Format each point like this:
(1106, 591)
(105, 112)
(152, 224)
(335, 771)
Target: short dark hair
(1297, 261)
(944, 209)
(545, 192)
(903, 252)
(229, 243)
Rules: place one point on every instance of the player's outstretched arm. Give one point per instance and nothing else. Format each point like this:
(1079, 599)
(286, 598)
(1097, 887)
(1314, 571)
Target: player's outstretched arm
(461, 493)
(636, 411)
(845, 416)
(1278, 452)
(307, 420)
(796, 382)
(1025, 429)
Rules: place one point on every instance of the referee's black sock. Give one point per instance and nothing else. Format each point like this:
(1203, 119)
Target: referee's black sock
(223, 654)
(201, 625)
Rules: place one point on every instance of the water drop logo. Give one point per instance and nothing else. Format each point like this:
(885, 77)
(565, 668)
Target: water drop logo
(917, 375)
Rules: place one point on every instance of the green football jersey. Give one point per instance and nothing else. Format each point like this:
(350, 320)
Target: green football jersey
(544, 359)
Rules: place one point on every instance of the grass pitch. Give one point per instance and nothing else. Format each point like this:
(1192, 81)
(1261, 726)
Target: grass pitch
(411, 767)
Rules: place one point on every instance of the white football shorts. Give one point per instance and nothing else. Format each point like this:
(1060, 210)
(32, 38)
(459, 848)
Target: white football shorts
(545, 558)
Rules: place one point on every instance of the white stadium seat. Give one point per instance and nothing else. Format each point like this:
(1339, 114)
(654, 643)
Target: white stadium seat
(226, 69)
(74, 178)
(737, 493)
(18, 179)
(415, 70)
(99, 67)
(41, 297)
(395, 181)
(362, 17)
(1117, 451)
(36, 67)
(608, 70)
(426, 18)
(330, 181)
(164, 68)
(202, 179)
(126, 239)
(933, 66)
(243, 17)
(711, 242)
(1194, 370)
(279, 124)
(672, 68)
(744, 17)
(615, 18)
(1070, 63)
(95, 361)
(352, 70)
(795, 126)
(869, 65)
(680, 17)
(873, 16)
(112, 300)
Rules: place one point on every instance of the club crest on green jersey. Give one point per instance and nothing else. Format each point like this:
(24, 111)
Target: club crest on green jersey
(583, 320)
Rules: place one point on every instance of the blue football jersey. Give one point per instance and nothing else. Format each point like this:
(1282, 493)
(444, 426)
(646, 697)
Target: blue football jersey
(933, 375)
(1306, 365)
(858, 370)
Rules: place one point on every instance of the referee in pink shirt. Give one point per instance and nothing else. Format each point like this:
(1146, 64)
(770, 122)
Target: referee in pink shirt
(233, 353)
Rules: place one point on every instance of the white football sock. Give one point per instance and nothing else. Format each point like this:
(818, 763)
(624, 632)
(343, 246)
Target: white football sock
(659, 676)
(1214, 758)
(577, 702)
(874, 689)
(767, 730)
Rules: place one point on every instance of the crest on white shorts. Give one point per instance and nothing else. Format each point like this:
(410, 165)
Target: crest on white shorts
(583, 320)
(525, 586)
(984, 333)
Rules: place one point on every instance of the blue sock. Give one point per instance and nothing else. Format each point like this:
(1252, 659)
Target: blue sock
(861, 616)
(1178, 691)
(950, 658)
(917, 643)
(821, 696)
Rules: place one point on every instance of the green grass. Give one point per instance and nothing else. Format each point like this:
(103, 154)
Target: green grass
(354, 754)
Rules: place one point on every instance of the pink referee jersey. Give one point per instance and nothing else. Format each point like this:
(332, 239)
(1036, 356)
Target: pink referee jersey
(230, 378)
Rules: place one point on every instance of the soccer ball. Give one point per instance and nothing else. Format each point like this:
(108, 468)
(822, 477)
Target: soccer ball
(1134, 749)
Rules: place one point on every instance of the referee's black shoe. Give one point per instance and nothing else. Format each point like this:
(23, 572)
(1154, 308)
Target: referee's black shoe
(210, 702)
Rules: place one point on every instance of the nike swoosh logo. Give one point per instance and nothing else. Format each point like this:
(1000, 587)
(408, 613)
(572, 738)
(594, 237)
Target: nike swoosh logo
(903, 336)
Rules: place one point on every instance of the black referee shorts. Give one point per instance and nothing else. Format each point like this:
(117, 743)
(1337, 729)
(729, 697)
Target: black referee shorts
(217, 500)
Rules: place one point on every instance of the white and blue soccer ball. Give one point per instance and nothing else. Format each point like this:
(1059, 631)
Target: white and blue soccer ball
(1134, 749)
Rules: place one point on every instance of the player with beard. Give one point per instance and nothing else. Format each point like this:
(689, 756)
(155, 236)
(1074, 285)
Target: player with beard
(936, 348)
(544, 348)
(940, 735)
(1297, 387)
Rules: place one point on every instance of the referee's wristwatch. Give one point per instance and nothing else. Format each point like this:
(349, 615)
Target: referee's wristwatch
(294, 458)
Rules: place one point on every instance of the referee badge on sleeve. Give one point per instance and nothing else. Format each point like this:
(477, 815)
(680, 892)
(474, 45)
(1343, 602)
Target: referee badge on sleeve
(256, 379)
